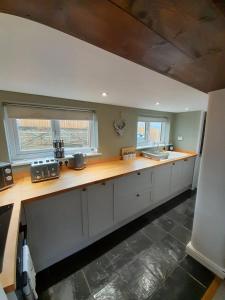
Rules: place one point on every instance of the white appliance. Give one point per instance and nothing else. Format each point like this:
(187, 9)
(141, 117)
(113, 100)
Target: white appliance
(28, 269)
(208, 236)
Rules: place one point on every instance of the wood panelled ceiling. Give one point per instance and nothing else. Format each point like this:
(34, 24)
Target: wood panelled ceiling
(182, 39)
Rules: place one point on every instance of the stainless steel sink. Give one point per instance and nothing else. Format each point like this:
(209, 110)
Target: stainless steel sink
(156, 155)
(161, 155)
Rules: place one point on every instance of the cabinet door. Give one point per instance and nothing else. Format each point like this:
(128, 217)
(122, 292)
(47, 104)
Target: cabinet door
(188, 171)
(100, 207)
(176, 176)
(130, 204)
(55, 227)
(137, 181)
(161, 183)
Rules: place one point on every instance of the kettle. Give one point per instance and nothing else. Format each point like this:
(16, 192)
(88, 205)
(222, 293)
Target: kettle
(77, 162)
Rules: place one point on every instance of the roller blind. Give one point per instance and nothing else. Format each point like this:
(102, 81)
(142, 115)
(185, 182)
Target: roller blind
(152, 119)
(20, 111)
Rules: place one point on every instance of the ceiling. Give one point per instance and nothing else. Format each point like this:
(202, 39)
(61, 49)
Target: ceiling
(37, 59)
(182, 39)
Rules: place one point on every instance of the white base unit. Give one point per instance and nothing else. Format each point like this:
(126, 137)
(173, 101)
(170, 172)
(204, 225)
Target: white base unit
(209, 264)
(63, 224)
(161, 183)
(188, 171)
(55, 228)
(132, 194)
(130, 204)
(100, 207)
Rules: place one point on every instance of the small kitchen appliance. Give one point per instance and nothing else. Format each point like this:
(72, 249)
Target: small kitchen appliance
(6, 177)
(77, 162)
(44, 170)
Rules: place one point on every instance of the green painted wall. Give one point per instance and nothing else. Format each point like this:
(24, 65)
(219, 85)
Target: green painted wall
(187, 125)
(109, 142)
(181, 124)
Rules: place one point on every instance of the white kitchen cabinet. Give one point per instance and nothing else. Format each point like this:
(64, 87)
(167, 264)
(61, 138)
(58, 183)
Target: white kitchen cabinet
(177, 182)
(132, 194)
(182, 174)
(134, 182)
(55, 227)
(161, 183)
(188, 171)
(100, 207)
(131, 204)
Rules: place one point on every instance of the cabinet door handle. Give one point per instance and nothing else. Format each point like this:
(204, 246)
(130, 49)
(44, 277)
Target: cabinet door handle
(138, 173)
(185, 159)
(138, 195)
(84, 190)
(103, 183)
(173, 164)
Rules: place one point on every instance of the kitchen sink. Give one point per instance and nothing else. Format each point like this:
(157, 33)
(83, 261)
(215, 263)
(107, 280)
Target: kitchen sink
(163, 155)
(156, 155)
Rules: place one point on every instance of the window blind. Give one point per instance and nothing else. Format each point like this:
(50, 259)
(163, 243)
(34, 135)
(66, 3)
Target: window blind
(152, 119)
(20, 111)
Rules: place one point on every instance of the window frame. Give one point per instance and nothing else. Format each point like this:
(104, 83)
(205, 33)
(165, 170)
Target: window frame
(16, 154)
(164, 134)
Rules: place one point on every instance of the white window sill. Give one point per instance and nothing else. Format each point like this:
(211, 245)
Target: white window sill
(27, 162)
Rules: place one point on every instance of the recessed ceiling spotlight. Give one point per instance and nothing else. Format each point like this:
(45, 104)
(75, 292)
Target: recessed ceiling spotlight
(104, 94)
(186, 108)
(157, 103)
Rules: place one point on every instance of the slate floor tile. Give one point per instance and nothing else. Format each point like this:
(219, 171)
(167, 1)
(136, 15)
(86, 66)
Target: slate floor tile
(138, 242)
(154, 232)
(170, 246)
(197, 270)
(176, 216)
(140, 282)
(157, 262)
(114, 290)
(72, 288)
(182, 234)
(165, 223)
(81, 290)
(179, 286)
(185, 209)
(120, 255)
(188, 222)
(98, 273)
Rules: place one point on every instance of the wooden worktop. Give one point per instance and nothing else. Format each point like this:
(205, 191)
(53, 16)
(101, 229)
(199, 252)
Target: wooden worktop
(25, 191)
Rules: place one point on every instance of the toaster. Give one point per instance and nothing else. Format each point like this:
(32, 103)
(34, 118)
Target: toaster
(44, 170)
(6, 176)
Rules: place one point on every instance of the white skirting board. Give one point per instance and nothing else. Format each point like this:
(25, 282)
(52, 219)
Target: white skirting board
(202, 259)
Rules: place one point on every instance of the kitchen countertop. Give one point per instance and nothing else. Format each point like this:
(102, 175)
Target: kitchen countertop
(25, 191)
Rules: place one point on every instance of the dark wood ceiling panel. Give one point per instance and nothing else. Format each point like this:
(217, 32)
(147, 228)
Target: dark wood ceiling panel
(183, 39)
(104, 25)
(193, 26)
(221, 5)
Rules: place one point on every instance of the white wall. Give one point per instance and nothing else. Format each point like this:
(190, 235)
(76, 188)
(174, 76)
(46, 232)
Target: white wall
(208, 236)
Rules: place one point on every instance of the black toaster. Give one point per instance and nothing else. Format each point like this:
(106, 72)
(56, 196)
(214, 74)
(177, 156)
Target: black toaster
(6, 177)
(44, 170)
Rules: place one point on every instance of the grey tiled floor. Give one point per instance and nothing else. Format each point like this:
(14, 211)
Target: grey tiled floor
(151, 264)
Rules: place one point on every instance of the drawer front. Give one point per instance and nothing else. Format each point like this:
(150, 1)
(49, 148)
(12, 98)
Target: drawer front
(138, 181)
(129, 205)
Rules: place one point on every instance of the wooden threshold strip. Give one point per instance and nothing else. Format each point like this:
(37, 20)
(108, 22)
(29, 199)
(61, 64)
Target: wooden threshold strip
(211, 291)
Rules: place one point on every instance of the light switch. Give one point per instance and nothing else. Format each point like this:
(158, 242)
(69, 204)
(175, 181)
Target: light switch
(180, 138)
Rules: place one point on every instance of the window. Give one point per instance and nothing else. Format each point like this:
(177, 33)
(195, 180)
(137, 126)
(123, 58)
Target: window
(31, 130)
(151, 131)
